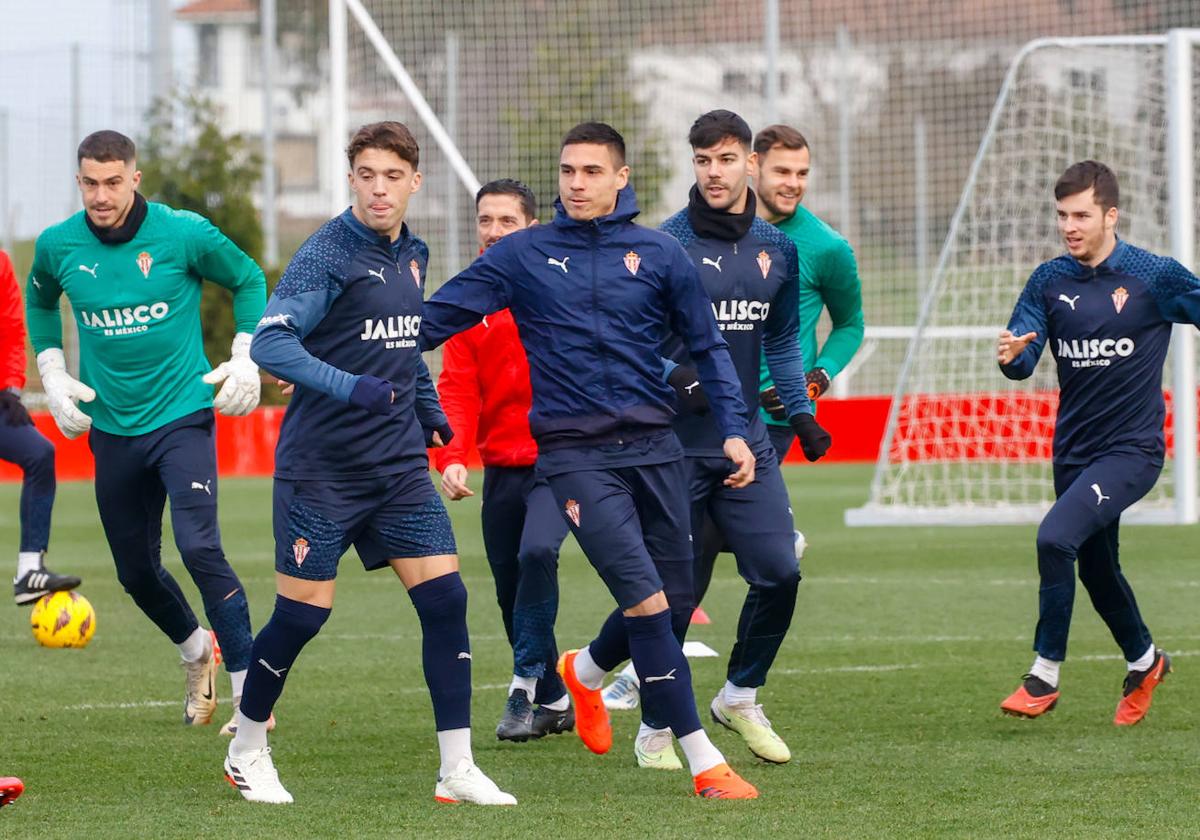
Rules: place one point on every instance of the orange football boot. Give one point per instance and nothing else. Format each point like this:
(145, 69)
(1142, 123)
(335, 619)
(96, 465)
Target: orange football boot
(591, 717)
(1139, 688)
(1035, 697)
(721, 782)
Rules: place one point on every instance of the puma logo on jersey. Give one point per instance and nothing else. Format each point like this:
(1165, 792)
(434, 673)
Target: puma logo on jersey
(196, 485)
(714, 263)
(378, 274)
(1100, 497)
(91, 271)
(1070, 301)
(560, 263)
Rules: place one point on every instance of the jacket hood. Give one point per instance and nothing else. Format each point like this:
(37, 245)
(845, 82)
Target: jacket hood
(626, 211)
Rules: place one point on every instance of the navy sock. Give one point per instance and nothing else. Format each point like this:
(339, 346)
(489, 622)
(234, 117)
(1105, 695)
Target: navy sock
(292, 626)
(611, 646)
(230, 620)
(664, 673)
(441, 605)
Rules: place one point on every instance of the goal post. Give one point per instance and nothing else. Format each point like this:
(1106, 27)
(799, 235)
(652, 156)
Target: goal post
(963, 445)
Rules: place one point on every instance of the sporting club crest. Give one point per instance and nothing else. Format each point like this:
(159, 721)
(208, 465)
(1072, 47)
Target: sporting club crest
(144, 261)
(416, 272)
(572, 508)
(300, 550)
(1119, 297)
(764, 263)
(632, 262)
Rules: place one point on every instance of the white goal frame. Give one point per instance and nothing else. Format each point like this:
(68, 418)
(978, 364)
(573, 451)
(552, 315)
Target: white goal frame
(1179, 44)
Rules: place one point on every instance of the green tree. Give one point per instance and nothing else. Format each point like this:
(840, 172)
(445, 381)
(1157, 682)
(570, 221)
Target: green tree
(189, 163)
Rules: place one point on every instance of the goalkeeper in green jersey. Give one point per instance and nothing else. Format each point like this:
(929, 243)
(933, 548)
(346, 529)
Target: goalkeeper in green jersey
(828, 272)
(132, 271)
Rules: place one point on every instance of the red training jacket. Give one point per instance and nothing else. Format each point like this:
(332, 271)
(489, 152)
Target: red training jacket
(484, 390)
(12, 328)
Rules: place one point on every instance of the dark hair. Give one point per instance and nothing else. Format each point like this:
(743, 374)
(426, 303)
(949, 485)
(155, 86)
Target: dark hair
(602, 134)
(780, 135)
(710, 129)
(1086, 174)
(106, 146)
(390, 136)
(510, 186)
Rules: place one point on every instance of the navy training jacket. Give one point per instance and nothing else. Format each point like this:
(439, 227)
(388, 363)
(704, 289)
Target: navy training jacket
(593, 302)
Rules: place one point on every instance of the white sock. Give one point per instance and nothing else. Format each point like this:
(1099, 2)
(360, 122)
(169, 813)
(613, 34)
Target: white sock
(631, 672)
(587, 671)
(645, 730)
(195, 646)
(1145, 662)
(700, 752)
(28, 561)
(738, 696)
(454, 745)
(251, 735)
(526, 684)
(1046, 670)
(559, 705)
(237, 679)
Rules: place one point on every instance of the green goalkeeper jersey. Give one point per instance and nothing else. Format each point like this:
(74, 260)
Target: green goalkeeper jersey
(828, 280)
(137, 306)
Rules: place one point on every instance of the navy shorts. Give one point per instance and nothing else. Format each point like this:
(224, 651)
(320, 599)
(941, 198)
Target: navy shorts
(384, 518)
(633, 525)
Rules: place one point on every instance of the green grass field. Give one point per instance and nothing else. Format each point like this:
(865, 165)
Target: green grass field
(904, 643)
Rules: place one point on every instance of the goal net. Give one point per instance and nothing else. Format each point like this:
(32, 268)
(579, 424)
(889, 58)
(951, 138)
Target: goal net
(964, 445)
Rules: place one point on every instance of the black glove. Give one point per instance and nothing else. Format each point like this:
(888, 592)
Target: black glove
(373, 394)
(12, 412)
(818, 382)
(772, 404)
(688, 394)
(814, 441)
(444, 432)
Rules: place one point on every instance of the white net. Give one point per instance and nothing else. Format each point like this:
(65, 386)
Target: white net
(966, 445)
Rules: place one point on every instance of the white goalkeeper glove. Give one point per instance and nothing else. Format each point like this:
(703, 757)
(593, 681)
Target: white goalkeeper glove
(63, 391)
(243, 387)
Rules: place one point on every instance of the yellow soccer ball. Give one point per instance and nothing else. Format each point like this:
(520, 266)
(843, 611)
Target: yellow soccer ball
(63, 620)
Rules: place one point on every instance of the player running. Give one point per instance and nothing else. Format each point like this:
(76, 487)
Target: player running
(593, 295)
(351, 466)
(749, 270)
(133, 270)
(25, 446)
(1106, 309)
(484, 389)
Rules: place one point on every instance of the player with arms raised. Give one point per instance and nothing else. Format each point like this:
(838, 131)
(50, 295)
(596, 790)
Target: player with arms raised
(1106, 309)
(351, 466)
(132, 270)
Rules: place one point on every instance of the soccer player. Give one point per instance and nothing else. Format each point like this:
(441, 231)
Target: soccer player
(484, 389)
(351, 466)
(1105, 308)
(25, 446)
(132, 270)
(749, 271)
(593, 295)
(828, 272)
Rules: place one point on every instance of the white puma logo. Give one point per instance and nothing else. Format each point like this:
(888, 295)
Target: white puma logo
(378, 274)
(35, 282)
(196, 485)
(689, 388)
(265, 664)
(560, 263)
(714, 263)
(462, 654)
(1069, 300)
(1100, 497)
(670, 675)
(91, 271)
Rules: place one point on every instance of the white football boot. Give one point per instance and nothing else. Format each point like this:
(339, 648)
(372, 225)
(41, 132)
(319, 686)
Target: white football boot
(468, 784)
(255, 777)
(799, 544)
(622, 693)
